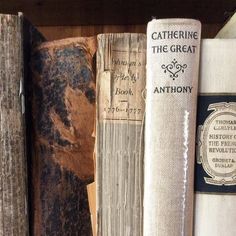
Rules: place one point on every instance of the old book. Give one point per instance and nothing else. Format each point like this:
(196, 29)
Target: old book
(172, 84)
(63, 118)
(229, 29)
(13, 174)
(119, 137)
(31, 38)
(215, 184)
(91, 188)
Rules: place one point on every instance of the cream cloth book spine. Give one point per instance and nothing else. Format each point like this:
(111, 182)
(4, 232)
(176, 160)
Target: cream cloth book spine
(215, 182)
(173, 47)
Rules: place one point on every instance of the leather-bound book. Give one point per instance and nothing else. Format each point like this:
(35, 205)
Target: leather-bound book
(63, 110)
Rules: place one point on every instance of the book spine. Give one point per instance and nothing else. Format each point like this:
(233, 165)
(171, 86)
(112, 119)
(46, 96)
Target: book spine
(121, 61)
(215, 184)
(172, 82)
(13, 174)
(229, 29)
(91, 189)
(31, 38)
(63, 110)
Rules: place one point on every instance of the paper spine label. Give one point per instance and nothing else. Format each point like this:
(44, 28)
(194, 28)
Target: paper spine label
(216, 144)
(121, 65)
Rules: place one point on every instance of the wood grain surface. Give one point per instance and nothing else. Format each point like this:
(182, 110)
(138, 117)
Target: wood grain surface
(60, 32)
(90, 12)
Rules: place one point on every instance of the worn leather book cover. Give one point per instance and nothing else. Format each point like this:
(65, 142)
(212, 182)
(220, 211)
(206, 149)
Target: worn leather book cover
(121, 61)
(91, 188)
(173, 47)
(13, 167)
(63, 119)
(215, 178)
(31, 39)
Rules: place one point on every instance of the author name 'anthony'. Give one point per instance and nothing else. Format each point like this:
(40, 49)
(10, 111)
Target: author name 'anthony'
(173, 89)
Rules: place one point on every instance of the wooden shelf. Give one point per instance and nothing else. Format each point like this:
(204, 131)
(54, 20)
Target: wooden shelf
(59, 32)
(122, 12)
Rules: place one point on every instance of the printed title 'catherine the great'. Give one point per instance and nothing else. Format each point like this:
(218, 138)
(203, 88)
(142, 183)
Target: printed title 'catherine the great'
(178, 34)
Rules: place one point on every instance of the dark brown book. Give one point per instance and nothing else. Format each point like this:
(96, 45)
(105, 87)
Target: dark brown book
(13, 168)
(63, 120)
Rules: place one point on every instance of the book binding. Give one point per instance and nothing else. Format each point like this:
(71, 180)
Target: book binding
(173, 47)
